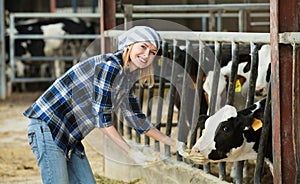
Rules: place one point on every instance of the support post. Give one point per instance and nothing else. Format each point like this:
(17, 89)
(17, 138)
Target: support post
(285, 100)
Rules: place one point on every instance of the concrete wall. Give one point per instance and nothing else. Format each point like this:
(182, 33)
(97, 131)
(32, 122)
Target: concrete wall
(167, 170)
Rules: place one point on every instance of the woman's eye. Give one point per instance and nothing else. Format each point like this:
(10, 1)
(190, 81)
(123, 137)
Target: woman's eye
(152, 52)
(143, 46)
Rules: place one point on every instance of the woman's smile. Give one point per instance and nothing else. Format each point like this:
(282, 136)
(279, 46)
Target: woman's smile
(142, 55)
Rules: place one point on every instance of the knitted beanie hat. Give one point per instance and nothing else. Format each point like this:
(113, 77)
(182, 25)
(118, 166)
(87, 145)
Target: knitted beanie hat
(139, 34)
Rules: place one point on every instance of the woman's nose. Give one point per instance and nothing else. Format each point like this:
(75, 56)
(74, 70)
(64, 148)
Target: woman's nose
(146, 52)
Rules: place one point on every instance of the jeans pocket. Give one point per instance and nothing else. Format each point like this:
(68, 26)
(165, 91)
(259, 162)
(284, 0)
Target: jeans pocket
(33, 144)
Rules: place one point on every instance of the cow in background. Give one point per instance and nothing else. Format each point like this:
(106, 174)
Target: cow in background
(242, 81)
(48, 47)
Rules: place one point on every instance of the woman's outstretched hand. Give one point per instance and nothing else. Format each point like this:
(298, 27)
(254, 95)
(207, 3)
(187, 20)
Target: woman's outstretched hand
(140, 158)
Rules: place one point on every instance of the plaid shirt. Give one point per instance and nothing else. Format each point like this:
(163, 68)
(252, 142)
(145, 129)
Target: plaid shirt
(85, 97)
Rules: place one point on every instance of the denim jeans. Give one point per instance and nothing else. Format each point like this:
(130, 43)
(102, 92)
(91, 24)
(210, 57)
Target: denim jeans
(53, 165)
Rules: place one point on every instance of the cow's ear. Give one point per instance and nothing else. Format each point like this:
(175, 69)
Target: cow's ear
(247, 121)
(201, 120)
(245, 118)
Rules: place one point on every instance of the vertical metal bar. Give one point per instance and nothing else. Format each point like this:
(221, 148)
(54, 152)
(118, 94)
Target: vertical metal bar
(75, 5)
(253, 74)
(234, 69)
(218, 52)
(172, 95)
(296, 106)
(230, 100)
(161, 90)
(102, 41)
(204, 24)
(183, 128)
(128, 11)
(94, 5)
(198, 94)
(263, 140)
(219, 21)
(216, 76)
(12, 46)
(249, 101)
(141, 101)
(2, 53)
(241, 20)
(149, 110)
(121, 124)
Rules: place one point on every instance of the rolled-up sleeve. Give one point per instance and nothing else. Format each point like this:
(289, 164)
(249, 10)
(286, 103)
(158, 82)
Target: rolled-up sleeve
(105, 74)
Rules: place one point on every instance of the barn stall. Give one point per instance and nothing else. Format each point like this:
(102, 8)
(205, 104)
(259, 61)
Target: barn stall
(217, 39)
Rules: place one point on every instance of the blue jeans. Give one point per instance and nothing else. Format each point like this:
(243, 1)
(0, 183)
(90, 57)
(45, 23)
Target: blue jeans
(53, 165)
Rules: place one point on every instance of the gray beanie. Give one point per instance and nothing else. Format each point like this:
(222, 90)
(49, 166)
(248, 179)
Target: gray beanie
(139, 34)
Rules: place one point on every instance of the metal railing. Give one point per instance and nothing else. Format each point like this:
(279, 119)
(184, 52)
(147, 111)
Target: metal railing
(171, 40)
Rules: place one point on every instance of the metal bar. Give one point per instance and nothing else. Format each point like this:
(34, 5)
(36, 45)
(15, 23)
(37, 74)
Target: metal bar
(69, 36)
(31, 80)
(199, 7)
(216, 76)
(75, 5)
(2, 54)
(296, 105)
(161, 90)
(253, 74)
(198, 95)
(149, 110)
(45, 58)
(121, 124)
(234, 69)
(141, 102)
(135, 15)
(172, 95)
(128, 16)
(183, 128)
(263, 140)
(207, 36)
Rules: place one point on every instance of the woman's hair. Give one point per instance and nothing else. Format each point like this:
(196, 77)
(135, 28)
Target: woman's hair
(146, 74)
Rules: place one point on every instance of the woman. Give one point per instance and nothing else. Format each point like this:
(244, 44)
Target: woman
(84, 98)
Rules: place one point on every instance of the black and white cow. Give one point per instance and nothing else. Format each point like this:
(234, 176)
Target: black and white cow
(242, 81)
(232, 135)
(53, 46)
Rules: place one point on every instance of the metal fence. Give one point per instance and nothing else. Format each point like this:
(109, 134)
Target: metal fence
(214, 14)
(196, 39)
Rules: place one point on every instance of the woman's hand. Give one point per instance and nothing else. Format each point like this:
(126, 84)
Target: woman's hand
(140, 158)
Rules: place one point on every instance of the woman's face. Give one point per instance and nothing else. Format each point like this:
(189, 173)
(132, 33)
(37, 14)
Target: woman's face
(142, 55)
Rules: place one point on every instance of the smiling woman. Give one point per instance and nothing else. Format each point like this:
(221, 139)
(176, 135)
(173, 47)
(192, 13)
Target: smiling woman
(85, 97)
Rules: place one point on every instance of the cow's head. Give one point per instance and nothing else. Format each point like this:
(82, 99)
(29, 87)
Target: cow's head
(264, 71)
(230, 135)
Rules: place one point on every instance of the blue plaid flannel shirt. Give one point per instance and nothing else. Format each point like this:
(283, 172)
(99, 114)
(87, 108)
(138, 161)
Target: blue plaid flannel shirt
(85, 97)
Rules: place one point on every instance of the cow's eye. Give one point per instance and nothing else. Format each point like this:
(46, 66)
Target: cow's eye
(226, 129)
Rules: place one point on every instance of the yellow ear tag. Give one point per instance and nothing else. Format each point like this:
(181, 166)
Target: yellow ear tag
(203, 131)
(159, 61)
(256, 124)
(238, 86)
